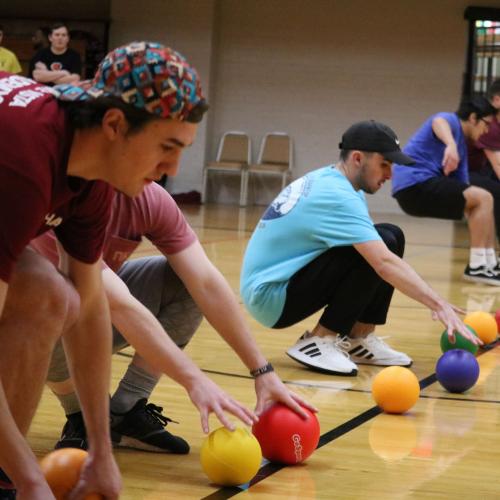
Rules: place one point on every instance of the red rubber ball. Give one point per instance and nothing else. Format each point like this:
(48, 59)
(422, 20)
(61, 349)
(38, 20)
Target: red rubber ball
(284, 436)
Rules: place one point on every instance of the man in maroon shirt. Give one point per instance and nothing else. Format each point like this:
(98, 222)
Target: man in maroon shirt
(163, 294)
(484, 157)
(56, 164)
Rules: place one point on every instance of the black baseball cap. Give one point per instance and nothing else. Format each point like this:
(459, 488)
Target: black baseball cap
(375, 137)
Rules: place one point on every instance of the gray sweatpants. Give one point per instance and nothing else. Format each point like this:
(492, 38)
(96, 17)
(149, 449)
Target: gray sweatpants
(153, 282)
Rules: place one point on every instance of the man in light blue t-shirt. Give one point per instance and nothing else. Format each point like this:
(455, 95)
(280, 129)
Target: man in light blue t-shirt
(438, 184)
(316, 247)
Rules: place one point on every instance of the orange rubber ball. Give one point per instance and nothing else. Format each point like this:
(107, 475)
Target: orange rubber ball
(395, 389)
(392, 437)
(484, 324)
(62, 468)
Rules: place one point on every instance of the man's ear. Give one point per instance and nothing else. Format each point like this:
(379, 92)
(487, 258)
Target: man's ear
(114, 124)
(473, 118)
(356, 156)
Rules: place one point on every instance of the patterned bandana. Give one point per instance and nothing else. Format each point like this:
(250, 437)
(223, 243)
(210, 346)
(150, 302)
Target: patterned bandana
(147, 75)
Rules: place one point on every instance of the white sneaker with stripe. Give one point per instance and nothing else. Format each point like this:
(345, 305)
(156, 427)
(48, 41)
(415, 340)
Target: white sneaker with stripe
(372, 350)
(496, 268)
(482, 274)
(326, 354)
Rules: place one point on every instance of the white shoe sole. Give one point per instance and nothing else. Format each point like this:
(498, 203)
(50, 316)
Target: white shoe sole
(378, 363)
(135, 444)
(479, 279)
(352, 373)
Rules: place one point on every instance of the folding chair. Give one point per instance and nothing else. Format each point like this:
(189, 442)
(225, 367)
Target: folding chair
(233, 157)
(275, 157)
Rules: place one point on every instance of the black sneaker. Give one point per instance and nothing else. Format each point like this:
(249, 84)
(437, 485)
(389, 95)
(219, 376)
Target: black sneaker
(143, 428)
(482, 274)
(7, 491)
(74, 434)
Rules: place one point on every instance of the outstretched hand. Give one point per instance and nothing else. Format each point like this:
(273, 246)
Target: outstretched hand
(450, 159)
(270, 389)
(447, 314)
(98, 476)
(208, 397)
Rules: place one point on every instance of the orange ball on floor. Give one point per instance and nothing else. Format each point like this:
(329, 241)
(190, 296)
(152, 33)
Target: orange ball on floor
(484, 324)
(395, 389)
(62, 468)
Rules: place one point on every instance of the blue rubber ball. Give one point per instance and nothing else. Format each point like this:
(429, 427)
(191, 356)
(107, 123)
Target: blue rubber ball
(457, 370)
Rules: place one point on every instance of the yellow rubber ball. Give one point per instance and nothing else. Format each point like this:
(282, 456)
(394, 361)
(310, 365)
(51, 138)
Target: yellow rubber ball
(230, 458)
(395, 389)
(484, 324)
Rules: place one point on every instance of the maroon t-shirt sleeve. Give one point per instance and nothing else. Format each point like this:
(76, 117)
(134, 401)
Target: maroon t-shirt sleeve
(83, 234)
(166, 226)
(22, 207)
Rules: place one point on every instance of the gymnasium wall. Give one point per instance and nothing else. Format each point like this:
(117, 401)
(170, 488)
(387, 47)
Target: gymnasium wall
(308, 67)
(55, 9)
(187, 26)
(313, 67)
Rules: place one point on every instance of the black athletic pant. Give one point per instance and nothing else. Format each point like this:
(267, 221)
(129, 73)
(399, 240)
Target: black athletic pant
(491, 184)
(345, 283)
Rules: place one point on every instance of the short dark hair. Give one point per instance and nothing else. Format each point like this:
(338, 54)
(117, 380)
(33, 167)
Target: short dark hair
(196, 114)
(44, 29)
(56, 26)
(88, 114)
(494, 89)
(478, 105)
(1, 28)
(344, 154)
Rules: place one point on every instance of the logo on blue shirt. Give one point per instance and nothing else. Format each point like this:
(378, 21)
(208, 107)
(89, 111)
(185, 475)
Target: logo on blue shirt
(286, 200)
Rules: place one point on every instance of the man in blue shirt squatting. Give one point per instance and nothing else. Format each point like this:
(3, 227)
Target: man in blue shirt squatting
(316, 247)
(438, 184)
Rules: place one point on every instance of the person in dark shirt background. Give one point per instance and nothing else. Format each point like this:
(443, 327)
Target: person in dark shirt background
(58, 63)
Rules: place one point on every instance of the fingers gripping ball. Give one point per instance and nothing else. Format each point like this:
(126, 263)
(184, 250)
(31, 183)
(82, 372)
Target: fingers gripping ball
(230, 458)
(457, 370)
(460, 342)
(62, 468)
(395, 389)
(484, 325)
(284, 436)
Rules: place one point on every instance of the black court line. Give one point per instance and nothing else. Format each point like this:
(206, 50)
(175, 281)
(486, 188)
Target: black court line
(472, 400)
(423, 384)
(423, 396)
(326, 438)
(250, 231)
(269, 469)
(329, 436)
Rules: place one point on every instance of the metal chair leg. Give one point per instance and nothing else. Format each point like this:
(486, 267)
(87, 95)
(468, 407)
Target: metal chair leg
(244, 188)
(204, 186)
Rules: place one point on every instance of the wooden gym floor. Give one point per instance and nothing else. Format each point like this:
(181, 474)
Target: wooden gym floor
(447, 446)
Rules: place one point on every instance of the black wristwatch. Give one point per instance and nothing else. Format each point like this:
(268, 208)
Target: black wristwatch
(260, 371)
